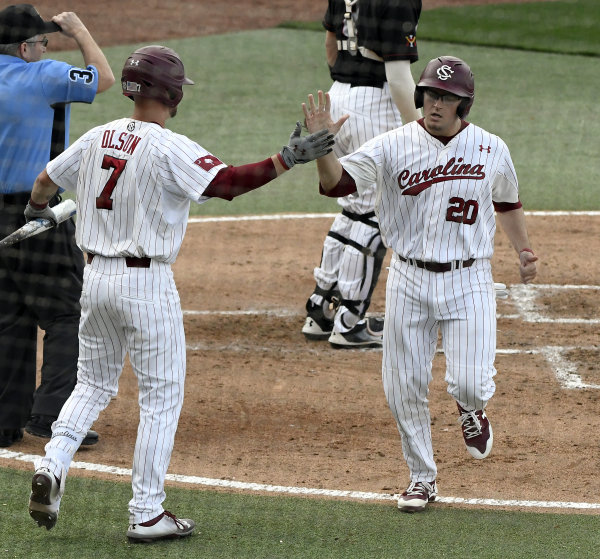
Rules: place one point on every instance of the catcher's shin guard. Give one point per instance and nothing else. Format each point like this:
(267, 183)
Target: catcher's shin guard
(358, 278)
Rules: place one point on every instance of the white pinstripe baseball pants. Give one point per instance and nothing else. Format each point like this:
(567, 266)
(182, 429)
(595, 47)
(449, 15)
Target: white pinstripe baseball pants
(419, 304)
(135, 311)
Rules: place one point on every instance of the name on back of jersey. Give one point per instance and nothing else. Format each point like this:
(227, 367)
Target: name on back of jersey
(124, 142)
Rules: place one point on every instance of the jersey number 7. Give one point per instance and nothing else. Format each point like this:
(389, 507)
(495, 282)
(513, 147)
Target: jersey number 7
(104, 201)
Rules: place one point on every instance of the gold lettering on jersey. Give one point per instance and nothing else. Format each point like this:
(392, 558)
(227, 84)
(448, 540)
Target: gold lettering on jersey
(124, 142)
(415, 183)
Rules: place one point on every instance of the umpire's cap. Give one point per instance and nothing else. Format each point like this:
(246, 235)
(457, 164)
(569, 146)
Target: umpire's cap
(154, 72)
(451, 74)
(22, 21)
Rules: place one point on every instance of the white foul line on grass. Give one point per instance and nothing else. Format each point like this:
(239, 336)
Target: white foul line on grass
(282, 217)
(270, 217)
(305, 491)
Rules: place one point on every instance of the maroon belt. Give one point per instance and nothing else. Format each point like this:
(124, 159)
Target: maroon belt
(438, 266)
(130, 261)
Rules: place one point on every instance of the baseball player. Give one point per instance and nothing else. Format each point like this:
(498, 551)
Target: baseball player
(370, 45)
(440, 182)
(134, 180)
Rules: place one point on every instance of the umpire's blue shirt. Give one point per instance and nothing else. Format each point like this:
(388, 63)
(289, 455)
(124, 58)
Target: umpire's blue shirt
(34, 115)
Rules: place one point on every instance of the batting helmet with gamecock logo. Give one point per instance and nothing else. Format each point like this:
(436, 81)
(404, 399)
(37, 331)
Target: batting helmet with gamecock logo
(451, 74)
(155, 72)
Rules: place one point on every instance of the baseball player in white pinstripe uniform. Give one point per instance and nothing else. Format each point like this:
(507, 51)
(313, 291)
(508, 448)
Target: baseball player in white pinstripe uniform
(134, 180)
(440, 183)
(370, 46)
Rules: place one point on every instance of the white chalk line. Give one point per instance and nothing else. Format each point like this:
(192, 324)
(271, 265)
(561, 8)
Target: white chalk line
(304, 491)
(277, 313)
(270, 217)
(525, 296)
(564, 370)
(281, 217)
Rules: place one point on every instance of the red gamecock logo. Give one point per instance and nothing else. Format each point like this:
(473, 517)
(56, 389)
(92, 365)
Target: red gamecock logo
(207, 162)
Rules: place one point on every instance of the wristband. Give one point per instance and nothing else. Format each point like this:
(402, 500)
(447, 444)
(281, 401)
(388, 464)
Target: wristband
(526, 250)
(282, 161)
(37, 206)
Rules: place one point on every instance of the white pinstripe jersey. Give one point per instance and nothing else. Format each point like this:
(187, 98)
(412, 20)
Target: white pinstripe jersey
(134, 182)
(435, 201)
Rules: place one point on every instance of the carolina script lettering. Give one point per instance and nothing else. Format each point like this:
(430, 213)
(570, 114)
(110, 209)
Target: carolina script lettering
(415, 183)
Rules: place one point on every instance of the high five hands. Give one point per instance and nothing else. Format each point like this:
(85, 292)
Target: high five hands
(319, 117)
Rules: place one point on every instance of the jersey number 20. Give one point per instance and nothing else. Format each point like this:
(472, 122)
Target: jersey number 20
(104, 201)
(462, 211)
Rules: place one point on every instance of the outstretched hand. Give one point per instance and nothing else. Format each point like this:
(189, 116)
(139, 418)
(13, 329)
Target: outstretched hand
(307, 148)
(319, 117)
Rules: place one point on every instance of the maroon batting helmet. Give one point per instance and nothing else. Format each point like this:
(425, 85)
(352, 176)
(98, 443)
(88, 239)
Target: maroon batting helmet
(451, 74)
(154, 72)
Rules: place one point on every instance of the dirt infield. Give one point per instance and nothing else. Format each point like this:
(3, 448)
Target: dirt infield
(264, 405)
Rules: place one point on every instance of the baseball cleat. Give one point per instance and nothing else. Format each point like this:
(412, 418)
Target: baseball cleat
(477, 432)
(165, 526)
(417, 496)
(366, 334)
(316, 326)
(44, 502)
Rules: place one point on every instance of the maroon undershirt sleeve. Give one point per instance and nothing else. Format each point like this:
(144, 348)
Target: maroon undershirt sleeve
(507, 206)
(234, 181)
(345, 186)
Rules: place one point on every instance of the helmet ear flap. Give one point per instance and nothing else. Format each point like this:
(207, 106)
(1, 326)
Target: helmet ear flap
(418, 97)
(465, 106)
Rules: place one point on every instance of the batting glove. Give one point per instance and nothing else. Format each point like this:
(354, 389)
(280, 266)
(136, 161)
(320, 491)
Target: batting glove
(39, 211)
(309, 148)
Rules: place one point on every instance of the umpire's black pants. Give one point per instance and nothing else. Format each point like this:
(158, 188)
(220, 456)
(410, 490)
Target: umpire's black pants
(40, 285)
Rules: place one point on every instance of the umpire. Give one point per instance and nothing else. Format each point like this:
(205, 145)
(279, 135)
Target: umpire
(41, 277)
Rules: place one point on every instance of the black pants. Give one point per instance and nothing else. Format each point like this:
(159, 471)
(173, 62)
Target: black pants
(40, 286)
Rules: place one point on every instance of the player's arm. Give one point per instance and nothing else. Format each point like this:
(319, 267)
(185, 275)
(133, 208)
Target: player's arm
(235, 181)
(402, 89)
(73, 27)
(331, 50)
(43, 191)
(232, 181)
(513, 224)
(329, 168)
